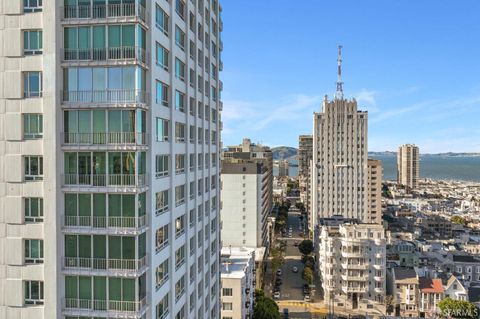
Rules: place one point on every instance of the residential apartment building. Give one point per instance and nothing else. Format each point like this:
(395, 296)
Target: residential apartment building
(352, 265)
(305, 157)
(403, 284)
(238, 283)
(340, 145)
(430, 294)
(111, 130)
(245, 203)
(374, 176)
(408, 165)
(283, 167)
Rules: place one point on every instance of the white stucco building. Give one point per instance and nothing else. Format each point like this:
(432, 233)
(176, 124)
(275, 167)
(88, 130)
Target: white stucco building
(238, 282)
(352, 261)
(110, 128)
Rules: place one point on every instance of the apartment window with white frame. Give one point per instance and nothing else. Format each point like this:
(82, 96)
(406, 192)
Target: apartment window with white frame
(192, 106)
(180, 8)
(179, 69)
(192, 162)
(33, 251)
(162, 56)
(162, 130)
(191, 132)
(32, 42)
(191, 217)
(33, 210)
(179, 226)
(179, 257)
(33, 168)
(181, 313)
(179, 101)
(180, 195)
(162, 308)
(34, 292)
(192, 50)
(32, 84)
(161, 20)
(227, 306)
(180, 163)
(32, 6)
(162, 165)
(161, 202)
(192, 190)
(161, 273)
(192, 78)
(161, 238)
(162, 96)
(32, 126)
(179, 38)
(179, 132)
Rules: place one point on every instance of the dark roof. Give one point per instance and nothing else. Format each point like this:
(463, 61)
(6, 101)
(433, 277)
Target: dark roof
(465, 259)
(474, 294)
(402, 273)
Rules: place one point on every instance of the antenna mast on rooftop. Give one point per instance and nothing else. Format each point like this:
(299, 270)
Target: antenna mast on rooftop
(339, 92)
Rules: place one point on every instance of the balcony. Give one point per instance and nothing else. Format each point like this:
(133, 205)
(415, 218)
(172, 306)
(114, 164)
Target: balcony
(105, 180)
(96, 140)
(347, 289)
(109, 308)
(121, 267)
(378, 278)
(120, 12)
(379, 290)
(352, 254)
(115, 54)
(359, 266)
(354, 277)
(105, 97)
(106, 224)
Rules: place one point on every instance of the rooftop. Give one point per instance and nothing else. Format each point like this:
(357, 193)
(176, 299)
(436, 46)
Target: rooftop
(428, 285)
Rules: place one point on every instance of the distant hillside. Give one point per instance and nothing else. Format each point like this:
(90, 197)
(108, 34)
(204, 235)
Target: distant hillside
(283, 152)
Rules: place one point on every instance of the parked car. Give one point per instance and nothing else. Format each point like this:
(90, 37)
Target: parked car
(295, 244)
(290, 235)
(276, 295)
(285, 313)
(279, 272)
(306, 298)
(295, 269)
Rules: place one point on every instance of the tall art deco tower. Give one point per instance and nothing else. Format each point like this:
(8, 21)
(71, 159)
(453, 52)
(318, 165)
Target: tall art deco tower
(109, 158)
(339, 174)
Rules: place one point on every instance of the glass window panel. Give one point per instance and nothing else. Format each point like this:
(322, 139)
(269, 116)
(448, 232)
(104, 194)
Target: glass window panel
(114, 163)
(99, 163)
(84, 37)
(128, 289)
(84, 79)
(99, 79)
(128, 121)
(99, 288)
(84, 246)
(70, 204)
(128, 78)
(71, 246)
(99, 246)
(85, 287)
(99, 205)
(114, 38)
(70, 38)
(114, 121)
(71, 287)
(99, 37)
(99, 121)
(114, 205)
(114, 78)
(115, 289)
(84, 121)
(128, 251)
(128, 205)
(128, 35)
(115, 247)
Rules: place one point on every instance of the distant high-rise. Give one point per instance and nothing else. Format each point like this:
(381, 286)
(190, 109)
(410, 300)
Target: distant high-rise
(374, 214)
(305, 156)
(339, 181)
(408, 165)
(283, 168)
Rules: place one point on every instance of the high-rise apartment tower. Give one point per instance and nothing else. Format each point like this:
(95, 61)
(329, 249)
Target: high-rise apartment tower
(110, 118)
(408, 165)
(339, 174)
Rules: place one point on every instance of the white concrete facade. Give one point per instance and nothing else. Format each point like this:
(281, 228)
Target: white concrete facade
(238, 282)
(244, 209)
(352, 261)
(162, 165)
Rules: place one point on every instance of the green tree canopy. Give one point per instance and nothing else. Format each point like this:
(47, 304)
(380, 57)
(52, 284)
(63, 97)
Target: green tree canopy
(265, 308)
(308, 275)
(458, 308)
(306, 247)
(458, 220)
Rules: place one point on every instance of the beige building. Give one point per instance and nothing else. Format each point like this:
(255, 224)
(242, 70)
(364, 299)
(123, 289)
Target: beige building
(352, 265)
(110, 120)
(238, 283)
(375, 173)
(404, 287)
(408, 165)
(283, 168)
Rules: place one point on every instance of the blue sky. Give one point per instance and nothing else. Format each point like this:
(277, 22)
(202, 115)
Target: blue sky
(414, 65)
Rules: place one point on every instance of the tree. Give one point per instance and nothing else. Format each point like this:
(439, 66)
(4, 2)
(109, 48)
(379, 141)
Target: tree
(458, 220)
(458, 308)
(389, 304)
(308, 275)
(277, 262)
(265, 308)
(306, 247)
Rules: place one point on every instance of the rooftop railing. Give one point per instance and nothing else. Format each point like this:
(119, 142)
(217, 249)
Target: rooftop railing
(103, 11)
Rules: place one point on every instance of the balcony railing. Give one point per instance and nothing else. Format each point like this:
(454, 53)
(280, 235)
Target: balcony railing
(354, 289)
(104, 138)
(105, 96)
(354, 266)
(105, 179)
(105, 305)
(105, 263)
(103, 11)
(106, 54)
(115, 222)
